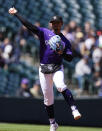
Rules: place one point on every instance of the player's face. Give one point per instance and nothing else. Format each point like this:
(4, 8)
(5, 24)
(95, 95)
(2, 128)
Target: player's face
(56, 25)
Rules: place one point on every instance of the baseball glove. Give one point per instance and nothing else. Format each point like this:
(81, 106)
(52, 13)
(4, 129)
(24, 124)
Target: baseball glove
(56, 44)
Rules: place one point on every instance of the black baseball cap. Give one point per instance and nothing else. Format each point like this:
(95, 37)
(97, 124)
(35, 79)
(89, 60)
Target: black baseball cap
(56, 18)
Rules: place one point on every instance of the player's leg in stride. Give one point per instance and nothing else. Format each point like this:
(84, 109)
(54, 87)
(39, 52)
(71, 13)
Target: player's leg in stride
(53, 127)
(69, 99)
(47, 89)
(62, 87)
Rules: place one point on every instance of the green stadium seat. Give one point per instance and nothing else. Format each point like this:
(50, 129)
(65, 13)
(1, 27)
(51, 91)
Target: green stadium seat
(3, 81)
(70, 2)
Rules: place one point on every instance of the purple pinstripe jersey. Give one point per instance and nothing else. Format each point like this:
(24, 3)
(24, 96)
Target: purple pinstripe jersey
(47, 55)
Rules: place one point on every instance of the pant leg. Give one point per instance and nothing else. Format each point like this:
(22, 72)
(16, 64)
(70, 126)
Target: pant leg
(46, 82)
(58, 78)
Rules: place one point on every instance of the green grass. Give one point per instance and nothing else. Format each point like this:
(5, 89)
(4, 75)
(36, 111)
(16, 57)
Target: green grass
(27, 127)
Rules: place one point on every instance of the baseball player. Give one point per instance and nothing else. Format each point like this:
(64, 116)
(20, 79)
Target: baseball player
(53, 48)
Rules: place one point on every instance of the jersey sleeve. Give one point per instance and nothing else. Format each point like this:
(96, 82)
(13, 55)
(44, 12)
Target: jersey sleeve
(68, 55)
(68, 49)
(34, 29)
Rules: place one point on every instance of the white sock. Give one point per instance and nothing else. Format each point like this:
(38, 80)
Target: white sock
(73, 108)
(52, 121)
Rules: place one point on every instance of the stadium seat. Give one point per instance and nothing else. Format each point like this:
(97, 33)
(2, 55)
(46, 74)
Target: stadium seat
(3, 81)
(54, 7)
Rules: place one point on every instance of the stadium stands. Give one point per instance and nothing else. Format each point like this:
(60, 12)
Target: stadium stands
(10, 79)
(3, 81)
(41, 11)
(78, 10)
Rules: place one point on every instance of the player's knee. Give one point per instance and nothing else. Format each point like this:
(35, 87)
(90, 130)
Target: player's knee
(61, 86)
(61, 89)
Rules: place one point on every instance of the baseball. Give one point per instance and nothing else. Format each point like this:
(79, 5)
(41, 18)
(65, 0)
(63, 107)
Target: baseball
(11, 9)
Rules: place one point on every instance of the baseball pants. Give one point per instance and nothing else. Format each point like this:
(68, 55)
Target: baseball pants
(47, 80)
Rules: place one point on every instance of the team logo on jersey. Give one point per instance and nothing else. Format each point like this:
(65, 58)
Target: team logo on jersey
(50, 67)
(53, 40)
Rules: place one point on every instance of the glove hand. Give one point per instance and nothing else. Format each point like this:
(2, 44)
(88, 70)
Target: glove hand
(56, 44)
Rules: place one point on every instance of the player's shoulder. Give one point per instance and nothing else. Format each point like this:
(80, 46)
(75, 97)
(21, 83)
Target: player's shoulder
(44, 29)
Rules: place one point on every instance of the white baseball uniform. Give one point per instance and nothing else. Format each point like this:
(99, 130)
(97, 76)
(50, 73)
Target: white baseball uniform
(46, 81)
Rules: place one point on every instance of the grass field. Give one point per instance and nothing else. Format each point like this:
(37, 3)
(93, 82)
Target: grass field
(27, 127)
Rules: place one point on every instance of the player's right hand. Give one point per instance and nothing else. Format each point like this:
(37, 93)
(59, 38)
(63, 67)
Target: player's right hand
(12, 11)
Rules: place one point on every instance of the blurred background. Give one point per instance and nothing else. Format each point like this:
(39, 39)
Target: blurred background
(19, 48)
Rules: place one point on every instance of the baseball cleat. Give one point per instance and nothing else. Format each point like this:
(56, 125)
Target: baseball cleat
(53, 127)
(76, 114)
